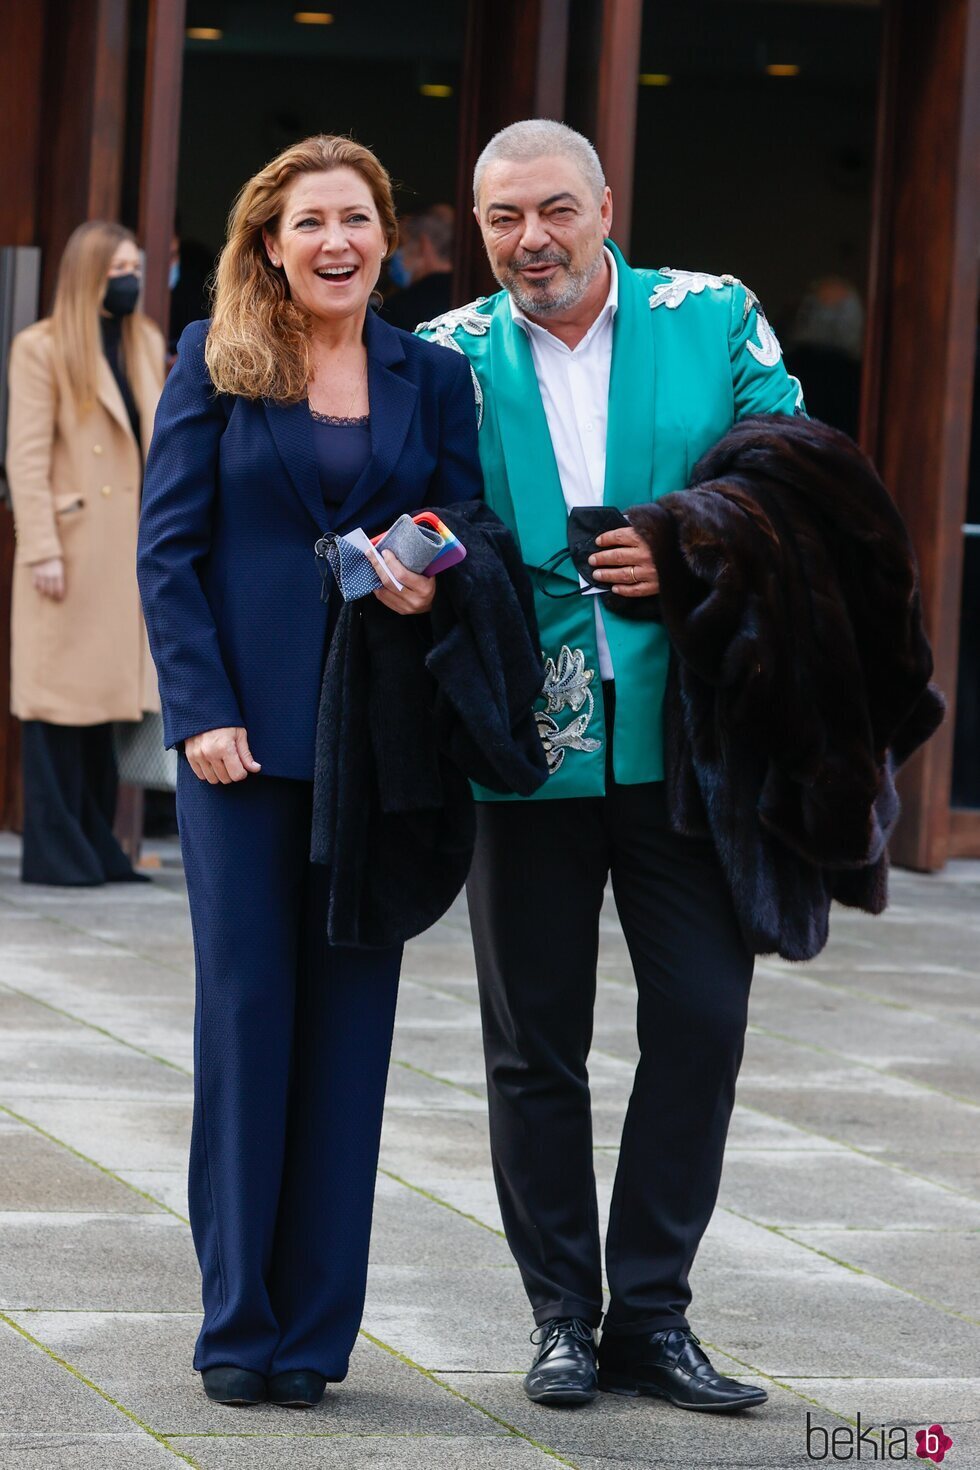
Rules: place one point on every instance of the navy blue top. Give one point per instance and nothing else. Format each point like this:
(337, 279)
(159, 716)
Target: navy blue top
(232, 507)
(342, 448)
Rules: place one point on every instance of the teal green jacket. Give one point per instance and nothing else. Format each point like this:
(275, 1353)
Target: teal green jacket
(692, 353)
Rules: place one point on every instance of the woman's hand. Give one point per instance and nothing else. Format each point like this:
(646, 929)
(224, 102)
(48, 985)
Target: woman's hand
(418, 591)
(49, 578)
(625, 563)
(220, 756)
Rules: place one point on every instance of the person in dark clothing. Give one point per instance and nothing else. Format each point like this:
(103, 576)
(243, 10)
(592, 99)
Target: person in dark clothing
(421, 268)
(191, 264)
(84, 386)
(825, 352)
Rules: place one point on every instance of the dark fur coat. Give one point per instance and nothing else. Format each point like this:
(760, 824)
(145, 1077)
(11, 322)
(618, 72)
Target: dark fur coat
(800, 676)
(410, 709)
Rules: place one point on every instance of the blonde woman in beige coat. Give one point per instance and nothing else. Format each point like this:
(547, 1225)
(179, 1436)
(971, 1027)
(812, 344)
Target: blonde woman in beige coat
(84, 385)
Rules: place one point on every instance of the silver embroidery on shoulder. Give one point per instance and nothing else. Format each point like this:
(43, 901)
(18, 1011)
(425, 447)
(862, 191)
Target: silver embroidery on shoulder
(769, 352)
(566, 685)
(476, 323)
(686, 283)
(682, 284)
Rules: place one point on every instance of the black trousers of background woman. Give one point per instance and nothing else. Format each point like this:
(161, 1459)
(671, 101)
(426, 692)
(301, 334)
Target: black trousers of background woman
(70, 786)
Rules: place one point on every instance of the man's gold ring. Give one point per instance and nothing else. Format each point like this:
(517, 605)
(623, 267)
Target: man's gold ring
(633, 573)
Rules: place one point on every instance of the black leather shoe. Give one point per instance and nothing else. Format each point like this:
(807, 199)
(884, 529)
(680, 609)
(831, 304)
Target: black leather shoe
(299, 1389)
(671, 1365)
(564, 1369)
(236, 1386)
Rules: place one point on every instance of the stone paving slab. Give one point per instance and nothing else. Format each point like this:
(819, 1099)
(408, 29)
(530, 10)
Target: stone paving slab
(57, 1261)
(649, 1432)
(941, 1266)
(118, 1135)
(381, 1452)
(907, 1042)
(888, 1120)
(791, 1315)
(457, 1144)
(144, 1361)
(853, 1084)
(957, 1168)
(827, 1189)
(475, 1320)
(85, 1452)
(37, 1396)
(942, 992)
(42, 1176)
(915, 1403)
(168, 1186)
(23, 1018)
(413, 1230)
(90, 1067)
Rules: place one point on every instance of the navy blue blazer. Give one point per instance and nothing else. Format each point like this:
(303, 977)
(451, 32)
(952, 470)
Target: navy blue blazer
(231, 510)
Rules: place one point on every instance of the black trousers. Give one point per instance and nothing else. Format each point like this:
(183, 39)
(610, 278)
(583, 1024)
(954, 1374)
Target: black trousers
(70, 786)
(535, 891)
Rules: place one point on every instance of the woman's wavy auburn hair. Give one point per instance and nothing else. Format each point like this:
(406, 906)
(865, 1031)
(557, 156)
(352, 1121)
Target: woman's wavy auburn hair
(259, 342)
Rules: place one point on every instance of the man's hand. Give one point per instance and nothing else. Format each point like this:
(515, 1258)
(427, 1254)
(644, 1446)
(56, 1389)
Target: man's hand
(624, 563)
(220, 756)
(417, 594)
(49, 578)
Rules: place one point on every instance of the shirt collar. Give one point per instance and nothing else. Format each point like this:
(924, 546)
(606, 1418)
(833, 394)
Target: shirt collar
(609, 308)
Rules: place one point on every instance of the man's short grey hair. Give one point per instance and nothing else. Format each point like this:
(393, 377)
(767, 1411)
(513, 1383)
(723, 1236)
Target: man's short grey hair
(540, 137)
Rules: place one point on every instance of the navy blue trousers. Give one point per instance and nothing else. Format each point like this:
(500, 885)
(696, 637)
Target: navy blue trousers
(291, 1045)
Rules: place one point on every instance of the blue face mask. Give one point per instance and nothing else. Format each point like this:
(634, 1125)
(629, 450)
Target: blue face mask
(398, 272)
(174, 275)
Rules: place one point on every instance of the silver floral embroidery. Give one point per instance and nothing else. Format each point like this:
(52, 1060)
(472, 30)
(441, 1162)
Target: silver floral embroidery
(566, 685)
(682, 284)
(769, 352)
(443, 328)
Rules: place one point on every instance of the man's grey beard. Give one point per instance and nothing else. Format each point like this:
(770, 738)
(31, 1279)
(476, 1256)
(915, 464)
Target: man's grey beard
(538, 302)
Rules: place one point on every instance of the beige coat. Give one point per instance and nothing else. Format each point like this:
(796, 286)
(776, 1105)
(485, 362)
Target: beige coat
(75, 484)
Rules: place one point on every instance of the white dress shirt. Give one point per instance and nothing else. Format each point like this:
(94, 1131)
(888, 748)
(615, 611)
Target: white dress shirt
(574, 386)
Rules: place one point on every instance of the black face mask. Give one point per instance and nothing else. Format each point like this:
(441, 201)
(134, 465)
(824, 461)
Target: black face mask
(121, 295)
(585, 523)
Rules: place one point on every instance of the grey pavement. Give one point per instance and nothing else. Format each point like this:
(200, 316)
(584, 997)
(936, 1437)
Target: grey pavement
(840, 1269)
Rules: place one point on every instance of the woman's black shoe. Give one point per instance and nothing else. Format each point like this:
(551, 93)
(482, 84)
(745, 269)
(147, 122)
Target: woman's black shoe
(299, 1389)
(236, 1386)
(670, 1365)
(563, 1373)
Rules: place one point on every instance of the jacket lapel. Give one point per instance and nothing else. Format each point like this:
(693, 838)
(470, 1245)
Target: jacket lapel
(393, 404)
(532, 470)
(630, 434)
(292, 431)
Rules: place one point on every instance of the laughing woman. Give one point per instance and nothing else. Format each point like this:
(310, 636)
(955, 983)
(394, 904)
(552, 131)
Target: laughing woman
(296, 410)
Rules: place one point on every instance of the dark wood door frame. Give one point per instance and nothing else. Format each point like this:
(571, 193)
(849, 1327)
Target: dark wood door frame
(918, 381)
(161, 138)
(513, 67)
(616, 104)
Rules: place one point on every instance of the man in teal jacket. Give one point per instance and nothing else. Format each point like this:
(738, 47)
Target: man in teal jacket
(600, 385)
